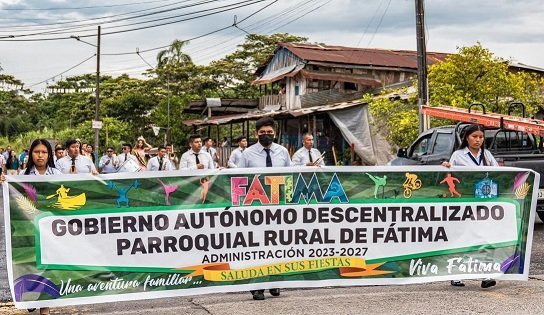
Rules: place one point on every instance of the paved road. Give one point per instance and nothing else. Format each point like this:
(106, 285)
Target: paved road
(508, 297)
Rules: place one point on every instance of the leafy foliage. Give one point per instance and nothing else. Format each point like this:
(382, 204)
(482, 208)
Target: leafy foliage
(474, 74)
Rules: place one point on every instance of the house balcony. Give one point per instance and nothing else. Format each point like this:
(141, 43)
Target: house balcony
(275, 102)
(329, 97)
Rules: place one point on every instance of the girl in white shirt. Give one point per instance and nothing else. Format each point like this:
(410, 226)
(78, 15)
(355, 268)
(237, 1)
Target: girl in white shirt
(472, 152)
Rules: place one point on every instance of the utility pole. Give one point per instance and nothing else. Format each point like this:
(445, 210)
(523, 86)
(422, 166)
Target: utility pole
(97, 92)
(168, 134)
(421, 61)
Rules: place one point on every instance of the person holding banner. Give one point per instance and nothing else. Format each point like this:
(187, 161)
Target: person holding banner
(40, 163)
(74, 163)
(307, 155)
(195, 157)
(127, 161)
(236, 157)
(472, 152)
(160, 162)
(108, 162)
(265, 153)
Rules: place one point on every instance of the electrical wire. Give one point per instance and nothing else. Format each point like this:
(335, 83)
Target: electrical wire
(82, 8)
(63, 72)
(39, 26)
(379, 23)
(245, 3)
(74, 28)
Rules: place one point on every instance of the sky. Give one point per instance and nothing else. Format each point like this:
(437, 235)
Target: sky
(510, 29)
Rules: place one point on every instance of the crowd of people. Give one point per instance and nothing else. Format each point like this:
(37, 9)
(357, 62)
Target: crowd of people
(76, 157)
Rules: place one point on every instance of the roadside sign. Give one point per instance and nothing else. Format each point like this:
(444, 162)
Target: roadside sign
(97, 124)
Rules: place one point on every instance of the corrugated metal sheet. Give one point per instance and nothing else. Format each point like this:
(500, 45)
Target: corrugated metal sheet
(361, 56)
(221, 120)
(289, 71)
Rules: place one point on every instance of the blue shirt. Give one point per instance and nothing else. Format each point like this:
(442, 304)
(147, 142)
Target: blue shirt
(255, 156)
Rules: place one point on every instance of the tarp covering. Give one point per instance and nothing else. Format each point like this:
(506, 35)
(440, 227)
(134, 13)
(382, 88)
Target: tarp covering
(354, 123)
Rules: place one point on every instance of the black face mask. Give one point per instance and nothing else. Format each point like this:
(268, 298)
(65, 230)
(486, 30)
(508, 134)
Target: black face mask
(265, 140)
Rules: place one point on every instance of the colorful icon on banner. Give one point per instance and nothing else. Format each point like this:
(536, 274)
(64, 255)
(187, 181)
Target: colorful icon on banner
(66, 202)
(521, 188)
(450, 181)
(522, 191)
(378, 182)
(168, 189)
(36, 284)
(486, 188)
(411, 183)
(123, 192)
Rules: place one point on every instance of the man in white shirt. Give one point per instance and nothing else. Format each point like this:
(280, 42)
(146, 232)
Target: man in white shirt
(195, 157)
(127, 161)
(108, 162)
(59, 154)
(208, 147)
(307, 155)
(265, 153)
(74, 163)
(236, 156)
(160, 162)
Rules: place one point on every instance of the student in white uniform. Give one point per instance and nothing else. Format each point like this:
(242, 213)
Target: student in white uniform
(195, 157)
(126, 157)
(40, 162)
(160, 162)
(266, 153)
(236, 156)
(74, 163)
(472, 152)
(307, 155)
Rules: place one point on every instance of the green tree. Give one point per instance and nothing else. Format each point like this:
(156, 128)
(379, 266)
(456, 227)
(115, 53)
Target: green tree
(474, 74)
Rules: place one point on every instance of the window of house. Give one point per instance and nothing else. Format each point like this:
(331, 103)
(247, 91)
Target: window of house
(297, 90)
(350, 86)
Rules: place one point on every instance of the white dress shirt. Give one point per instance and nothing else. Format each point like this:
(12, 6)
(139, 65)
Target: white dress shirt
(255, 156)
(236, 158)
(48, 171)
(188, 160)
(154, 164)
(463, 157)
(83, 165)
(301, 157)
(111, 167)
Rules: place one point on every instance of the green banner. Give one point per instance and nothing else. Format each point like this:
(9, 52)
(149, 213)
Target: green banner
(78, 239)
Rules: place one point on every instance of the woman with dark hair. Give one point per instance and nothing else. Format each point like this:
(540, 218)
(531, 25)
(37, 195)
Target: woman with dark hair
(40, 162)
(472, 152)
(12, 164)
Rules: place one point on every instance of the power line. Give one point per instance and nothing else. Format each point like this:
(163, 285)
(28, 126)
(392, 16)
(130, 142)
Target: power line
(82, 8)
(73, 28)
(39, 26)
(243, 4)
(63, 72)
(379, 23)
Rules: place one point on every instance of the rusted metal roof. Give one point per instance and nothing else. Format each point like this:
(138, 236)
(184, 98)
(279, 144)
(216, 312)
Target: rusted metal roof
(221, 120)
(359, 56)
